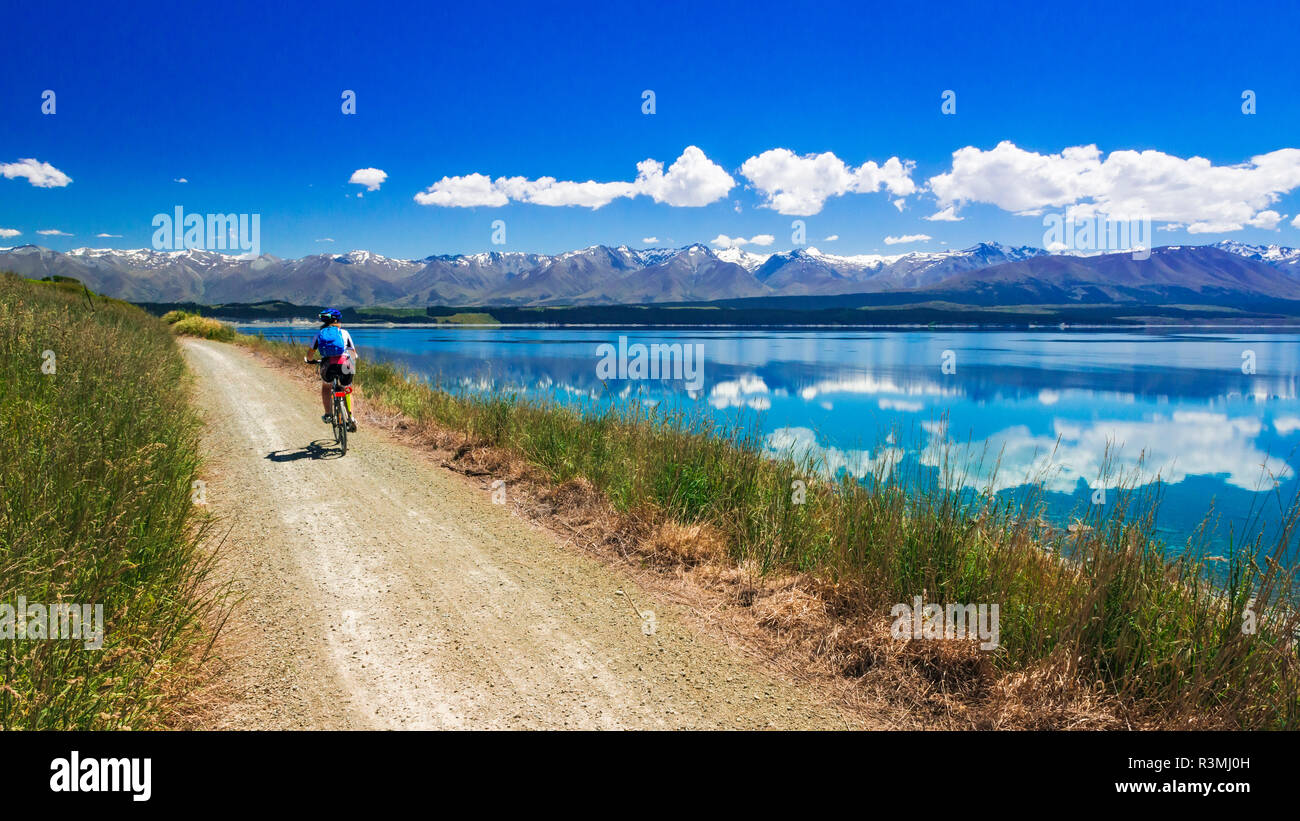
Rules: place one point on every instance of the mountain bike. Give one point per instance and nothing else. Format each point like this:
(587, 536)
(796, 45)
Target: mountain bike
(342, 418)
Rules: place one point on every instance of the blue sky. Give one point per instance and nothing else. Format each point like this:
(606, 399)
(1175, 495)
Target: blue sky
(243, 102)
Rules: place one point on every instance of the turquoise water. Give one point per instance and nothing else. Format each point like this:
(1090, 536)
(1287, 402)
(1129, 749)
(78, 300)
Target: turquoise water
(1176, 406)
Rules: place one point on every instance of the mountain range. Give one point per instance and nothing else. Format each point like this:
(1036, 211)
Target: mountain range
(986, 273)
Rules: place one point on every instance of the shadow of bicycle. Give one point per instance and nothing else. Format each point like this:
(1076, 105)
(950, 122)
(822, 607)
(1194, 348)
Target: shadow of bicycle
(320, 449)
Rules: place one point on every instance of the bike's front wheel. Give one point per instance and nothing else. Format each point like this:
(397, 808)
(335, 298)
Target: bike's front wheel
(340, 421)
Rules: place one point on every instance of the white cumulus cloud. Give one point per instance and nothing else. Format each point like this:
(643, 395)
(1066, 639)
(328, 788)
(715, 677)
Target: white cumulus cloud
(1267, 220)
(108, 236)
(796, 185)
(52, 232)
(724, 241)
(907, 238)
(39, 174)
(468, 191)
(948, 214)
(1123, 185)
(692, 180)
(649, 240)
(9, 232)
(371, 178)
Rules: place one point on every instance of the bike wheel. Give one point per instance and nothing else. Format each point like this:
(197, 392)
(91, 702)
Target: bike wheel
(340, 423)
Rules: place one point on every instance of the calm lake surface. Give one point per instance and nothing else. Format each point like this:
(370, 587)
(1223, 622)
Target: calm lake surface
(1174, 404)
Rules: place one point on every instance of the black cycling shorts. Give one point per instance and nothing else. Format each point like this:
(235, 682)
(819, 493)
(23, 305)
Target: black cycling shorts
(328, 372)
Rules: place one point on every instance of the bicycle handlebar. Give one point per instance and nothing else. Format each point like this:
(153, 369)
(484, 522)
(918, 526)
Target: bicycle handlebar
(311, 361)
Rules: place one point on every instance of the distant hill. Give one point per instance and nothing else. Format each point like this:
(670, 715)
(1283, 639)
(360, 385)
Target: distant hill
(986, 274)
(1196, 274)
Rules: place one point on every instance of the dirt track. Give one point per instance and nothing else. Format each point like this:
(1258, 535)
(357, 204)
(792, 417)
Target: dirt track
(381, 591)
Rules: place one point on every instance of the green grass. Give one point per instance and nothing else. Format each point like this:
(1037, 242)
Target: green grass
(202, 327)
(382, 313)
(97, 460)
(466, 318)
(379, 314)
(1104, 608)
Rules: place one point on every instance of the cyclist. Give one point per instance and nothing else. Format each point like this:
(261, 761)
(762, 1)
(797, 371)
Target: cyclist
(338, 357)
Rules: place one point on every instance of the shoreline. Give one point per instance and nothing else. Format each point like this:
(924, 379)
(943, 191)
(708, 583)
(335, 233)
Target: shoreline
(820, 571)
(1243, 326)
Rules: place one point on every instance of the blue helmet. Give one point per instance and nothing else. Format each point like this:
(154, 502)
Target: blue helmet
(328, 314)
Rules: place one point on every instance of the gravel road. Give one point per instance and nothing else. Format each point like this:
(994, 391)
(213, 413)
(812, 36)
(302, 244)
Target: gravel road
(382, 591)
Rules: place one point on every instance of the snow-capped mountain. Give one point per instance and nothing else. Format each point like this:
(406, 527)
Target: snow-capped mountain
(750, 262)
(602, 275)
(368, 259)
(809, 271)
(1171, 275)
(1279, 256)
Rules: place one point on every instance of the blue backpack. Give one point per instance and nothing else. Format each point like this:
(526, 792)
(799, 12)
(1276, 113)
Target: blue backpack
(329, 341)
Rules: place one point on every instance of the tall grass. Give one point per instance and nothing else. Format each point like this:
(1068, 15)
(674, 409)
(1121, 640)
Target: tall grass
(97, 460)
(1103, 606)
(200, 326)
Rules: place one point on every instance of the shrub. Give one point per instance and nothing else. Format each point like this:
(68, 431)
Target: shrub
(204, 328)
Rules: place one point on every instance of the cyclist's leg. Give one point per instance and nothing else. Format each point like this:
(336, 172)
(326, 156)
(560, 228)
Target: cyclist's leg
(326, 399)
(352, 417)
(345, 379)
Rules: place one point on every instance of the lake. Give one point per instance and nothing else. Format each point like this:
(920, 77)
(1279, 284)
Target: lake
(1181, 405)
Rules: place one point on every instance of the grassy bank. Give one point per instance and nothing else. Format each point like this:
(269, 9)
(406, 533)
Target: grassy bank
(98, 452)
(1100, 618)
(184, 323)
